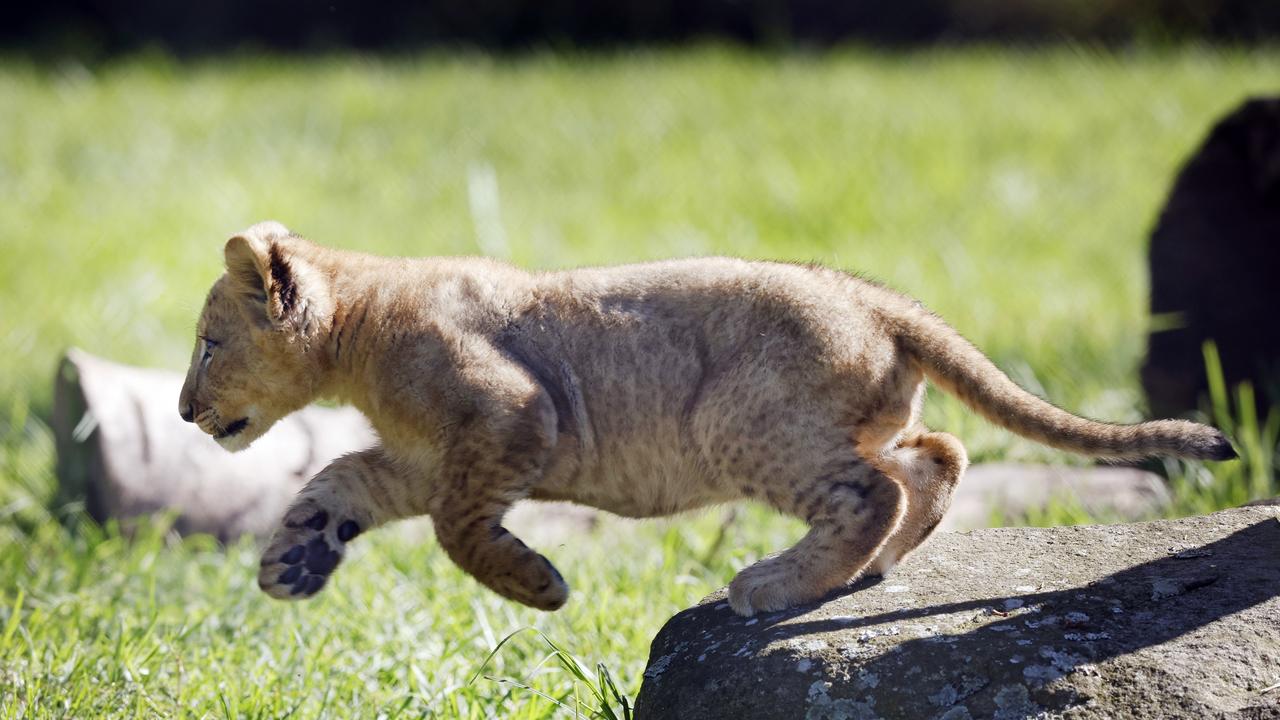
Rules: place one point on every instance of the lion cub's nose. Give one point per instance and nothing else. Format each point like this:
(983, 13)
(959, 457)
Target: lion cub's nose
(188, 412)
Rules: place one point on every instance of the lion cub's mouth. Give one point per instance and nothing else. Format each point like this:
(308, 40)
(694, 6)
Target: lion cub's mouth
(232, 429)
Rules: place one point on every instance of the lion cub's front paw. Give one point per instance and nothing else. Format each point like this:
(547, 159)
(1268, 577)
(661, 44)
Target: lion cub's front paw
(541, 586)
(304, 551)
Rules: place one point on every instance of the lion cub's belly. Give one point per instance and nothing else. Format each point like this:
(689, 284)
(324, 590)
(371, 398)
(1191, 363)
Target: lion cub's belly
(636, 480)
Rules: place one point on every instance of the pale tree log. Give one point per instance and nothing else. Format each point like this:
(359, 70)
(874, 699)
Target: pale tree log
(124, 450)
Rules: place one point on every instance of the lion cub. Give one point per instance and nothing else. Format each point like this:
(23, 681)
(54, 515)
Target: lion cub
(643, 390)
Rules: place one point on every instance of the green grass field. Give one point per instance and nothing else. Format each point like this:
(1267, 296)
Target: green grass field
(1011, 191)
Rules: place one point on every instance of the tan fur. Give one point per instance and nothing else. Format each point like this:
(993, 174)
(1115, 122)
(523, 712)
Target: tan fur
(644, 390)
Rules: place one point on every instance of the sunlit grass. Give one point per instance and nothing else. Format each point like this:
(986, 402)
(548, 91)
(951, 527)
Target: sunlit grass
(93, 624)
(1256, 474)
(1011, 191)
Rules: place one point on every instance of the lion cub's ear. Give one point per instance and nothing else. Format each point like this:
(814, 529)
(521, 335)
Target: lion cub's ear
(280, 289)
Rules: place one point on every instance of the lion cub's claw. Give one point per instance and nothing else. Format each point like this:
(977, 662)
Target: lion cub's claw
(303, 553)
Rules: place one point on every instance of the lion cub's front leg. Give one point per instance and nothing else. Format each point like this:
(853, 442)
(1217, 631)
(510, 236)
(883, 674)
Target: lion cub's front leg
(483, 476)
(490, 553)
(353, 494)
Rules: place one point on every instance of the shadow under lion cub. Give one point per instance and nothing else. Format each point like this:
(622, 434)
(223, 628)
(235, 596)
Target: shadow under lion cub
(642, 390)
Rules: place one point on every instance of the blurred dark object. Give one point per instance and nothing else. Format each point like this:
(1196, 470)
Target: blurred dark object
(123, 449)
(1215, 266)
(96, 27)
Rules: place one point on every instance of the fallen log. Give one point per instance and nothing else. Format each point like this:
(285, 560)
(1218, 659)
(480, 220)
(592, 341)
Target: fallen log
(124, 450)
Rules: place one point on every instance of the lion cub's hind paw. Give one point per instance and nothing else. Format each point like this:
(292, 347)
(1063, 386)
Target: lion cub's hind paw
(770, 585)
(303, 552)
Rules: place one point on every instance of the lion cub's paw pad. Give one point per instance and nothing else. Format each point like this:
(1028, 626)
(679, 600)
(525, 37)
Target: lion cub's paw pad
(301, 569)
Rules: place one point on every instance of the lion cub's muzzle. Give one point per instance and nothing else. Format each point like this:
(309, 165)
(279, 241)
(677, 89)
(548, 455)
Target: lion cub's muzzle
(234, 428)
(207, 421)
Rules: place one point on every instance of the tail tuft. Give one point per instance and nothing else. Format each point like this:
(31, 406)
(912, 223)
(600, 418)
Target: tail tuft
(1217, 447)
(1188, 440)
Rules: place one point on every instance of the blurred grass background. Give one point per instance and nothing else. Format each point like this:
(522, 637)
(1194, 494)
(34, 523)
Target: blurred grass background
(1009, 190)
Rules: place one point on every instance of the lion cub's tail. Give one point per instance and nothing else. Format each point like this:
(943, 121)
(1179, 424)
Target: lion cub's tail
(958, 367)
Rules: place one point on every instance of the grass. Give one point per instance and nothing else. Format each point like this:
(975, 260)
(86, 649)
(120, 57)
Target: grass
(1011, 191)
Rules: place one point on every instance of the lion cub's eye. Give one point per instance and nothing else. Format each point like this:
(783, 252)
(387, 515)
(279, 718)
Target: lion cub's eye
(209, 345)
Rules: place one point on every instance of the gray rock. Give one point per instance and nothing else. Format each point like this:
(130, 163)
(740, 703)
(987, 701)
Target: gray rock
(1166, 619)
(1011, 490)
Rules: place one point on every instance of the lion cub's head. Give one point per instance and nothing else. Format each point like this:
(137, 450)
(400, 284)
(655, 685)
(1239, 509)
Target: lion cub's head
(255, 360)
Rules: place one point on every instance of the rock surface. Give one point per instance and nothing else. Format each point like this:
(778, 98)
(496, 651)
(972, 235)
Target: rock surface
(1162, 619)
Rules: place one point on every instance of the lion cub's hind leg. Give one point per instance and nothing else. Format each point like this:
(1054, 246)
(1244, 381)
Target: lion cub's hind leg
(851, 512)
(928, 465)
(353, 494)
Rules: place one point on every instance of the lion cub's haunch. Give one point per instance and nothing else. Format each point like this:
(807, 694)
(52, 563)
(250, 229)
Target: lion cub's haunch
(643, 390)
